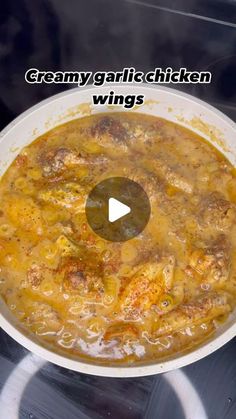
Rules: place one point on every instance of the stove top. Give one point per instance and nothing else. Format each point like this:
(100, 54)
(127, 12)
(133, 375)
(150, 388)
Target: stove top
(35, 389)
(99, 35)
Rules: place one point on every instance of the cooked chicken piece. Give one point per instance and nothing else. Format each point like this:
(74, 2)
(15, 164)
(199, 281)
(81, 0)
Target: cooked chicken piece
(23, 212)
(201, 310)
(80, 278)
(146, 286)
(217, 212)
(169, 174)
(172, 176)
(212, 263)
(61, 159)
(159, 173)
(149, 134)
(110, 132)
(142, 291)
(69, 195)
(153, 185)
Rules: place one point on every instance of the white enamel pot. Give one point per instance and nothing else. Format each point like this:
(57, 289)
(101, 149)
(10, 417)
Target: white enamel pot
(159, 101)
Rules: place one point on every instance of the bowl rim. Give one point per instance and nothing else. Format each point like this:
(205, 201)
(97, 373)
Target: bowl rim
(176, 361)
(170, 90)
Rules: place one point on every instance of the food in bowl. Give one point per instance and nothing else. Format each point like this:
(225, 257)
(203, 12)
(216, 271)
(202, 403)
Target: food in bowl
(143, 300)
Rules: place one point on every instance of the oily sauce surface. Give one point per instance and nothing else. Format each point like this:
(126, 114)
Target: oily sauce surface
(164, 291)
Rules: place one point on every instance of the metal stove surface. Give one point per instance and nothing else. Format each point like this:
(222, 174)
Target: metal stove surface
(34, 389)
(105, 35)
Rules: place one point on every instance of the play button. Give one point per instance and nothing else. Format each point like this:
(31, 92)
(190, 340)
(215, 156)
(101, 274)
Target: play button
(117, 209)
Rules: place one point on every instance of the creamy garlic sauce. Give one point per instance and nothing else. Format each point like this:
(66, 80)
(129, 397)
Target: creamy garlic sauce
(164, 291)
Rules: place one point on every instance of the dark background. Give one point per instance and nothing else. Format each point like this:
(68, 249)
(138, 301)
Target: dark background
(93, 35)
(80, 35)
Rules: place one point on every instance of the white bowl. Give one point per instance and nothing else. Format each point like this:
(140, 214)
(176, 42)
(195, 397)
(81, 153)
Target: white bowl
(159, 101)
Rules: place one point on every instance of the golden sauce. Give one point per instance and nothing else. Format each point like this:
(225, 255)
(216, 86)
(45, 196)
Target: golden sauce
(160, 293)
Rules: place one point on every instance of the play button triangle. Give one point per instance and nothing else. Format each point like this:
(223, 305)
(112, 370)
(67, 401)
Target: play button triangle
(116, 210)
